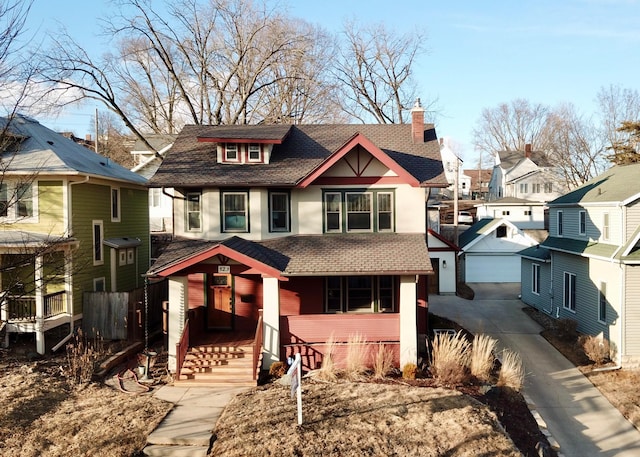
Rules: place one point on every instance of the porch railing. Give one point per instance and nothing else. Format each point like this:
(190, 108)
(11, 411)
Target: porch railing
(24, 308)
(182, 347)
(257, 345)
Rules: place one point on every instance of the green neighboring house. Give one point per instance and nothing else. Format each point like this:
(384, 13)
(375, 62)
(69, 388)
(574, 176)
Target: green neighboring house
(71, 221)
(588, 269)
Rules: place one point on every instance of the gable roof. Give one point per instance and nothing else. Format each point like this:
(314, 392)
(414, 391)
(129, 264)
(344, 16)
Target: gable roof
(303, 149)
(46, 152)
(511, 201)
(449, 245)
(485, 227)
(620, 183)
(509, 159)
(310, 255)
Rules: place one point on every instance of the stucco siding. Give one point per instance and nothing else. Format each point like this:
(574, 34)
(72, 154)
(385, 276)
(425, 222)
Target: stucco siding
(632, 312)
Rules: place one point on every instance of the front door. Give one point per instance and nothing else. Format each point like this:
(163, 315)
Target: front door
(433, 281)
(220, 302)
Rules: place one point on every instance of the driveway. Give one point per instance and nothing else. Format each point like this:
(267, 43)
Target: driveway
(581, 419)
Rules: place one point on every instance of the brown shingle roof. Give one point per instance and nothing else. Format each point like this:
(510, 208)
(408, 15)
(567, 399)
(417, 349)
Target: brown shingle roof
(190, 163)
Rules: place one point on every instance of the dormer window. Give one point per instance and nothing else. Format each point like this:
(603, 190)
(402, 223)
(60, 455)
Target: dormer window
(231, 152)
(254, 153)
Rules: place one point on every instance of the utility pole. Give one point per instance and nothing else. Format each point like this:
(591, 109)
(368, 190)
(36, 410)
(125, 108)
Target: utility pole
(96, 141)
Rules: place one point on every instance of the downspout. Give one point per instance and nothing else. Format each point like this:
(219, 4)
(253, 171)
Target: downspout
(550, 311)
(70, 230)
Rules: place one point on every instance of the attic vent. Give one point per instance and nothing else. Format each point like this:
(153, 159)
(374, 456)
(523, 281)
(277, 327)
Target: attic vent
(599, 191)
(50, 142)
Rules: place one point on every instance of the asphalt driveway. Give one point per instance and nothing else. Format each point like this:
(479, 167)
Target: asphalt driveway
(582, 420)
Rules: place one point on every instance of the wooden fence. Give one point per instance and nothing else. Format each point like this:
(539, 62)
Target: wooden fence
(121, 315)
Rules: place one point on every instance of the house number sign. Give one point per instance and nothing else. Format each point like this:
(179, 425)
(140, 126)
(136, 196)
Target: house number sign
(224, 269)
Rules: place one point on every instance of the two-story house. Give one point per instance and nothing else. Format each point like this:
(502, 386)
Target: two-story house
(70, 221)
(288, 236)
(588, 269)
(528, 175)
(452, 164)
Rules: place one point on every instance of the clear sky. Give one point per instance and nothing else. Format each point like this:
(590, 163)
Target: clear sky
(480, 53)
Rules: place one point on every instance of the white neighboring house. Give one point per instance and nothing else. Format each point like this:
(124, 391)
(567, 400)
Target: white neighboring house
(147, 163)
(449, 159)
(443, 261)
(524, 214)
(489, 250)
(528, 175)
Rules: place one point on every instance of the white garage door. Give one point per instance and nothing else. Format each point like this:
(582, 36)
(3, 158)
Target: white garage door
(492, 268)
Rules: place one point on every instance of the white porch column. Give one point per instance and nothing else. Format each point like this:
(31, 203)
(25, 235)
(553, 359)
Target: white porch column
(178, 306)
(39, 284)
(68, 283)
(270, 322)
(408, 320)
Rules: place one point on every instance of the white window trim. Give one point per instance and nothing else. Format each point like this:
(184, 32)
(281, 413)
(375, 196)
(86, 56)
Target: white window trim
(602, 295)
(115, 218)
(535, 275)
(99, 223)
(246, 212)
(131, 256)
(12, 197)
(226, 155)
(122, 257)
(288, 215)
(260, 153)
(187, 212)
(582, 214)
(340, 203)
(96, 281)
(606, 226)
(560, 223)
(566, 304)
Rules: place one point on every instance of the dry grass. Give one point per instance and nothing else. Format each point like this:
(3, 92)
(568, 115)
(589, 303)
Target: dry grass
(356, 358)
(482, 357)
(356, 419)
(328, 370)
(450, 358)
(83, 355)
(43, 415)
(597, 349)
(382, 362)
(511, 372)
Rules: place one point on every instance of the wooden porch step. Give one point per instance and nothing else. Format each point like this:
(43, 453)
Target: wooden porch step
(218, 364)
(199, 382)
(220, 349)
(217, 355)
(217, 371)
(197, 362)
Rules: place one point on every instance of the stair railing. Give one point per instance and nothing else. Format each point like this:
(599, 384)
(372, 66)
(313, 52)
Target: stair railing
(182, 347)
(257, 345)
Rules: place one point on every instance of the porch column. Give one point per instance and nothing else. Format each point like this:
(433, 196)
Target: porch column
(178, 306)
(68, 283)
(270, 322)
(408, 321)
(39, 284)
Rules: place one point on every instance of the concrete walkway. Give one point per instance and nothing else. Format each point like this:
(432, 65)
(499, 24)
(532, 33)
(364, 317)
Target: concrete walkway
(186, 430)
(581, 419)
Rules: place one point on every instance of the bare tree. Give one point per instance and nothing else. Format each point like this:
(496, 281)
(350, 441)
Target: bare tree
(375, 69)
(615, 106)
(510, 126)
(112, 141)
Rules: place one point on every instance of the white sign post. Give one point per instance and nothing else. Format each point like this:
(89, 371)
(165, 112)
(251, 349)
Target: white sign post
(295, 371)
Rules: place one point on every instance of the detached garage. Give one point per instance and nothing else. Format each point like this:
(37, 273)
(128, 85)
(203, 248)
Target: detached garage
(489, 250)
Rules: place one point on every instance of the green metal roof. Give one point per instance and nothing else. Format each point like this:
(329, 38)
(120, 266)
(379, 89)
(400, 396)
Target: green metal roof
(537, 253)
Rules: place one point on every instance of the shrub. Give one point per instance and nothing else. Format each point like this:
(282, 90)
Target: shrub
(409, 371)
(383, 362)
(82, 356)
(482, 357)
(597, 349)
(356, 357)
(277, 369)
(328, 370)
(567, 329)
(511, 371)
(450, 358)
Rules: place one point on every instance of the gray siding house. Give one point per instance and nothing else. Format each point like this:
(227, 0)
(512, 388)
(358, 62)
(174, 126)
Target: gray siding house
(588, 269)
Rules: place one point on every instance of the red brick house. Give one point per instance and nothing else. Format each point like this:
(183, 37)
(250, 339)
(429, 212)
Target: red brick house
(287, 235)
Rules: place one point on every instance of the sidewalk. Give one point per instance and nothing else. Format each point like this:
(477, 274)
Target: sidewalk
(186, 430)
(579, 417)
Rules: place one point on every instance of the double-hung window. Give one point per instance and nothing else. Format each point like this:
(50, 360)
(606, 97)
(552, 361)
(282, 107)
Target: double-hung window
(560, 225)
(359, 211)
(582, 216)
(569, 295)
(279, 212)
(194, 211)
(231, 152)
(18, 201)
(235, 211)
(359, 294)
(98, 236)
(254, 153)
(605, 226)
(535, 278)
(115, 204)
(4, 200)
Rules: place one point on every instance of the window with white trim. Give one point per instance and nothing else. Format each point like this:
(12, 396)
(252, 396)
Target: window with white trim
(523, 188)
(254, 153)
(359, 211)
(235, 211)
(115, 204)
(602, 302)
(582, 222)
(18, 201)
(194, 211)
(99, 284)
(605, 226)
(231, 152)
(155, 197)
(359, 294)
(535, 278)
(535, 188)
(279, 211)
(98, 238)
(560, 223)
(569, 295)
(548, 187)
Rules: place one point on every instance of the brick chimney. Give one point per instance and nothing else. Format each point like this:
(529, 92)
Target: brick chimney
(527, 150)
(417, 122)
(87, 137)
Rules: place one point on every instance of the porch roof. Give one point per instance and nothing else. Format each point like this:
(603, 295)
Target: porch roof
(308, 255)
(20, 239)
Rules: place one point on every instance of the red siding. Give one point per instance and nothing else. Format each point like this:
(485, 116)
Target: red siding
(319, 327)
(248, 299)
(196, 290)
(311, 355)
